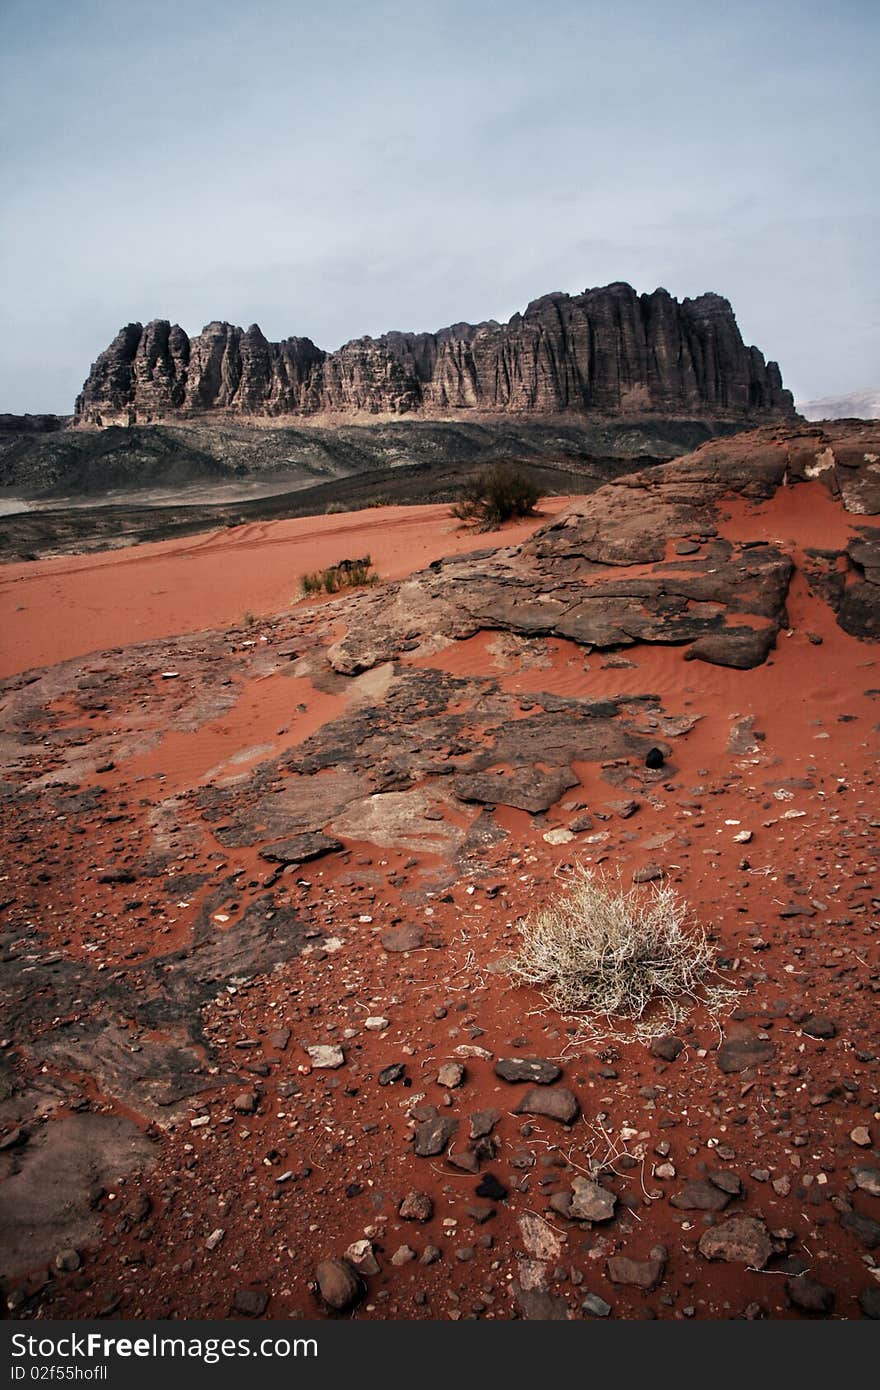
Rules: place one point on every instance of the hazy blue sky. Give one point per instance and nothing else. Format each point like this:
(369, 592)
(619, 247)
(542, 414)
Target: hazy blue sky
(345, 168)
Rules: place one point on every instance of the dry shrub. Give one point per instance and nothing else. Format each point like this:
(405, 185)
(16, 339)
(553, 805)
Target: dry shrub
(600, 951)
(347, 574)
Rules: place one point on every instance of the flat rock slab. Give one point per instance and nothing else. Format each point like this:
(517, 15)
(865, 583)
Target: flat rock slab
(45, 1205)
(537, 1070)
(299, 849)
(524, 788)
(551, 1102)
(738, 1240)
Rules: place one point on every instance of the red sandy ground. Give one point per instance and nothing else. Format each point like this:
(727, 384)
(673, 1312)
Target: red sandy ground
(51, 610)
(805, 790)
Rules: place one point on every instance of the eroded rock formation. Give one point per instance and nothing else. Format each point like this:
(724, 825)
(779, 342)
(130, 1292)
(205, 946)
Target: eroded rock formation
(608, 351)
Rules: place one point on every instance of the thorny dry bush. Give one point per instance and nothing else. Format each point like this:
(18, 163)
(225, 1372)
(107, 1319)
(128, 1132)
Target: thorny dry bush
(598, 951)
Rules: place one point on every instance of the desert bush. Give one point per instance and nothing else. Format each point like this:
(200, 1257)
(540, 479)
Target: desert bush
(347, 574)
(598, 951)
(495, 496)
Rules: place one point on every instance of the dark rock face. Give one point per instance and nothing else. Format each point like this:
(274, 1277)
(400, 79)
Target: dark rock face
(609, 351)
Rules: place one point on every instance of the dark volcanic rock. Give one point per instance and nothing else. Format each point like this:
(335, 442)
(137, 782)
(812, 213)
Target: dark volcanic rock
(538, 1070)
(607, 350)
(809, 1295)
(300, 849)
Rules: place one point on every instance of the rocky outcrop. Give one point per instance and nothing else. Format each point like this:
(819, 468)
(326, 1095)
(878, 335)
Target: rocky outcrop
(608, 352)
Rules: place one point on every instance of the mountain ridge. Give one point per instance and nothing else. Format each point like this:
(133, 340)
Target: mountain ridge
(605, 352)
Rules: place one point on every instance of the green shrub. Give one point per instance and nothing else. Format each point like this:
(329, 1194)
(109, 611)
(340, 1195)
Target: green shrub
(495, 496)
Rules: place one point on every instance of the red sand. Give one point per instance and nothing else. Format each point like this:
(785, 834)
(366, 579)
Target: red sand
(52, 610)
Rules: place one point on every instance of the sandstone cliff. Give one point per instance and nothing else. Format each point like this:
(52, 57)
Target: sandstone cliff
(607, 352)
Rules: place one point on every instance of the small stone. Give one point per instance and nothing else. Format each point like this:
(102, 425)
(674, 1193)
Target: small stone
(861, 1136)
(483, 1122)
(403, 1255)
(700, 1196)
(643, 1274)
(388, 1075)
(326, 1056)
(865, 1229)
(433, 1135)
(68, 1261)
(430, 1255)
(667, 1049)
(553, 1102)
(654, 759)
(403, 939)
(451, 1075)
(590, 1201)
(246, 1103)
(809, 1295)
(869, 1301)
(214, 1239)
(561, 835)
(489, 1186)
(339, 1284)
(595, 1307)
(251, 1303)
(651, 873)
(738, 1240)
(376, 1024)
(868, 1179)
(360, 1255)
(539, 1071)
(416, 1206)
(818, 1027)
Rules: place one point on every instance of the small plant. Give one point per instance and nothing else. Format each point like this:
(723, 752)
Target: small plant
(347, 574)
(631, 955)
(496, 496)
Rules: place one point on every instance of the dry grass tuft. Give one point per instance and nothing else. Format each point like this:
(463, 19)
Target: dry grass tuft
(598, 951)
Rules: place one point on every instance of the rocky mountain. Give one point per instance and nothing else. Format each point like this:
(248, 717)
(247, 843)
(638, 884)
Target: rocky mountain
(858, 405)
(606, 352)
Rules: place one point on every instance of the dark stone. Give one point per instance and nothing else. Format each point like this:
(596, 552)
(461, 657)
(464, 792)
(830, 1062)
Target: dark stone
(654, 759)
(819, 1027)
(433, 1135)
(536, 1070)
(667, 1049)
(742, 1050)
(300, 849)
(809, 1295)
(250, 1303)
(490, 1187)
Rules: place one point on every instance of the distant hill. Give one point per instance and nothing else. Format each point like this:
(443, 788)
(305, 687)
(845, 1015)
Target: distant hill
(858, 405)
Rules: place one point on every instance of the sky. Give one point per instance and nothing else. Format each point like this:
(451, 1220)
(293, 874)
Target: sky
(330, 170)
